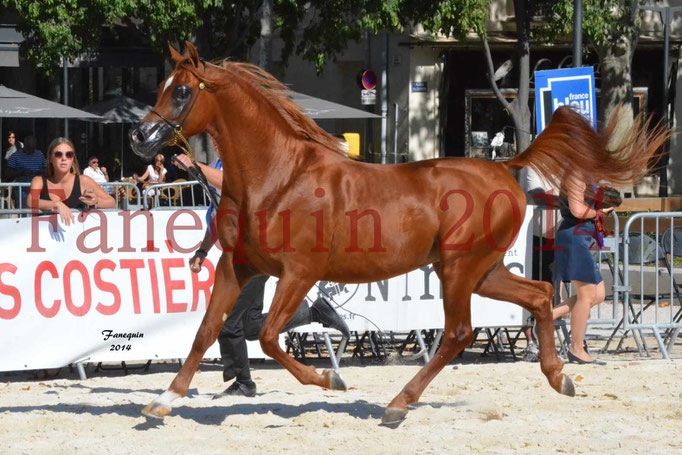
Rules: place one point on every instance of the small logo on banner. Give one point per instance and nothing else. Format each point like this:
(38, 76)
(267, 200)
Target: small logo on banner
(340, 293)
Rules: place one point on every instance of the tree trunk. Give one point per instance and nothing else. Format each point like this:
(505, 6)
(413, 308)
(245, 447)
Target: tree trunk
(265, 45)
(616, 88)
(616, 78)
(518, 109)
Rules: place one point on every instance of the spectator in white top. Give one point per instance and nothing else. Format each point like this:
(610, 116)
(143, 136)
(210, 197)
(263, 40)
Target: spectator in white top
(95, 172)
(541, 194)
(155, 173)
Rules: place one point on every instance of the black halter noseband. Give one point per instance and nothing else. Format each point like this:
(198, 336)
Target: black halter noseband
(181, 141)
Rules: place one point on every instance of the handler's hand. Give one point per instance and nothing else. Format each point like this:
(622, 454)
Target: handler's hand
(184, 159)
(195, 263)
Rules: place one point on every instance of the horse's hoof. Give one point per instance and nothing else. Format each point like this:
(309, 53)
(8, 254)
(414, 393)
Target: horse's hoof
(336, 381)
(156, 410)
(567, 387)
(393, 417)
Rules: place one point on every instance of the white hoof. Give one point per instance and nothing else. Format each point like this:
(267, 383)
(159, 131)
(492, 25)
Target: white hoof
(161, 406)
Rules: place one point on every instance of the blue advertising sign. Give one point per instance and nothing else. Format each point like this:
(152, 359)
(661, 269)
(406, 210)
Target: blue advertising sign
(565, 87)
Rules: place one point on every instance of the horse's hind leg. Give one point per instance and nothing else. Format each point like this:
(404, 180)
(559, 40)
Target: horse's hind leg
(536, 297)
(457, 334)
(291, 290)
(228, 282)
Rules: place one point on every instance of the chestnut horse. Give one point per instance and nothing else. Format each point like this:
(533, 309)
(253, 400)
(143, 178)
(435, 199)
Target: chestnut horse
(295, 206)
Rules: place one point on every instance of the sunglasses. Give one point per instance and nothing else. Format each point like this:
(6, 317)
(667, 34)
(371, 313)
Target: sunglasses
(12, 137)
(94, 162)
(59, 153)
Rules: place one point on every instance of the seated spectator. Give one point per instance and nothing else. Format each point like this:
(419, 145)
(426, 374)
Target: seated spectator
(24, 164)
(95, 172)
(155, 173)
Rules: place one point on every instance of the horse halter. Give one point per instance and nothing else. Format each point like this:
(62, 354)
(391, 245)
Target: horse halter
(178, 138)
(181, 141)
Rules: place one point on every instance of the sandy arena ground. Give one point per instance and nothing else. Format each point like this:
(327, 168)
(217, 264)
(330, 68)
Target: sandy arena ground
(628, 406)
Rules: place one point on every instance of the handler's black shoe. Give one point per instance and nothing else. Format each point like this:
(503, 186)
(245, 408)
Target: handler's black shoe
(324, 313)
(243, 389)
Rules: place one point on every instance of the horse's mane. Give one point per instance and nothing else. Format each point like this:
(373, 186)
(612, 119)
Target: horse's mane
(273, 91)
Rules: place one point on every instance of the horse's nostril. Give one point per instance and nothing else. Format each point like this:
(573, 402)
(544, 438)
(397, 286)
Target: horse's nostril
(137, 135)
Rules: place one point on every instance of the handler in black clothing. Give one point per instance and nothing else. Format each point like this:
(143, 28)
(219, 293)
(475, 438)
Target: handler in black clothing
(246, 318)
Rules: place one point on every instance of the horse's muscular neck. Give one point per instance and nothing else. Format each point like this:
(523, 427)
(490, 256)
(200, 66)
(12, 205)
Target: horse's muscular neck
(254, 141)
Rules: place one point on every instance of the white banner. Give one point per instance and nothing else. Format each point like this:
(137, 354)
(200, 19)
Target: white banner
(115, 286)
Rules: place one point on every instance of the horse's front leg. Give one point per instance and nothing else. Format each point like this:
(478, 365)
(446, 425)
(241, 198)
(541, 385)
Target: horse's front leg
(228, 283)
(291, 290)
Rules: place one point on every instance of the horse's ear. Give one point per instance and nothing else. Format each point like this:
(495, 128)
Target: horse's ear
(192, 53)
(175, 55)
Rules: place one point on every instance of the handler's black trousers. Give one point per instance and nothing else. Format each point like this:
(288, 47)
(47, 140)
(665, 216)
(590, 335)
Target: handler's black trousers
(243, 323)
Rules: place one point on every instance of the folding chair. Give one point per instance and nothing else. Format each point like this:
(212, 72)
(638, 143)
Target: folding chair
(6, 201)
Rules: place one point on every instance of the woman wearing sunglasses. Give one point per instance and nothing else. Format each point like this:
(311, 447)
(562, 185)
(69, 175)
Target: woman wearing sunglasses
(62, 188)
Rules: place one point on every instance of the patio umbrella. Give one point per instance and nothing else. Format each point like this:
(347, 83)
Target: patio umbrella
(119, 109)
(16, 104)
(317, 108)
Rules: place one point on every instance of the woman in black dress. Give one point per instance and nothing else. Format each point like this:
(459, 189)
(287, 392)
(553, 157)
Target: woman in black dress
(62, 188)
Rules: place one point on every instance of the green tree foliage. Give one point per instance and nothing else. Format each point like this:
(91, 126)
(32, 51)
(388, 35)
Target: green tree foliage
(321, 30)
(611, 29)
(452, 18)
(57, 29)
(605, 22)
(54, 29)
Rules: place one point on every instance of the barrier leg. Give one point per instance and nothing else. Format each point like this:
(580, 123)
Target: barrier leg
(661, 345)
(81, 370)
(342, 347)
(330, 350)
(422, 346)
(671, 341)
(436, 342)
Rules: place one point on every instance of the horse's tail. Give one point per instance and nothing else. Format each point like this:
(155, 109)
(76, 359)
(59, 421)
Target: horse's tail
(569, 143)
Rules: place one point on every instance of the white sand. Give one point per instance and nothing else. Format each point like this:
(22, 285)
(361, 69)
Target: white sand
(626, 407)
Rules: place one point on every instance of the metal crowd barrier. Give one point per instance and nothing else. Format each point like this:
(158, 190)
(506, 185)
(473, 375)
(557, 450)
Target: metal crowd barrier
(173, 195)
(666, 321)
(127, 194)
(11, 197)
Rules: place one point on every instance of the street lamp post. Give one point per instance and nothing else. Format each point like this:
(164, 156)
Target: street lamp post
(577, 33)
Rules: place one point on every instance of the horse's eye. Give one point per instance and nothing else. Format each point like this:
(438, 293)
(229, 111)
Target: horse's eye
(182, 92)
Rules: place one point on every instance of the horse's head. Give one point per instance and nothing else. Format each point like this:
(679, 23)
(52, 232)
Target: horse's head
(177, 106)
